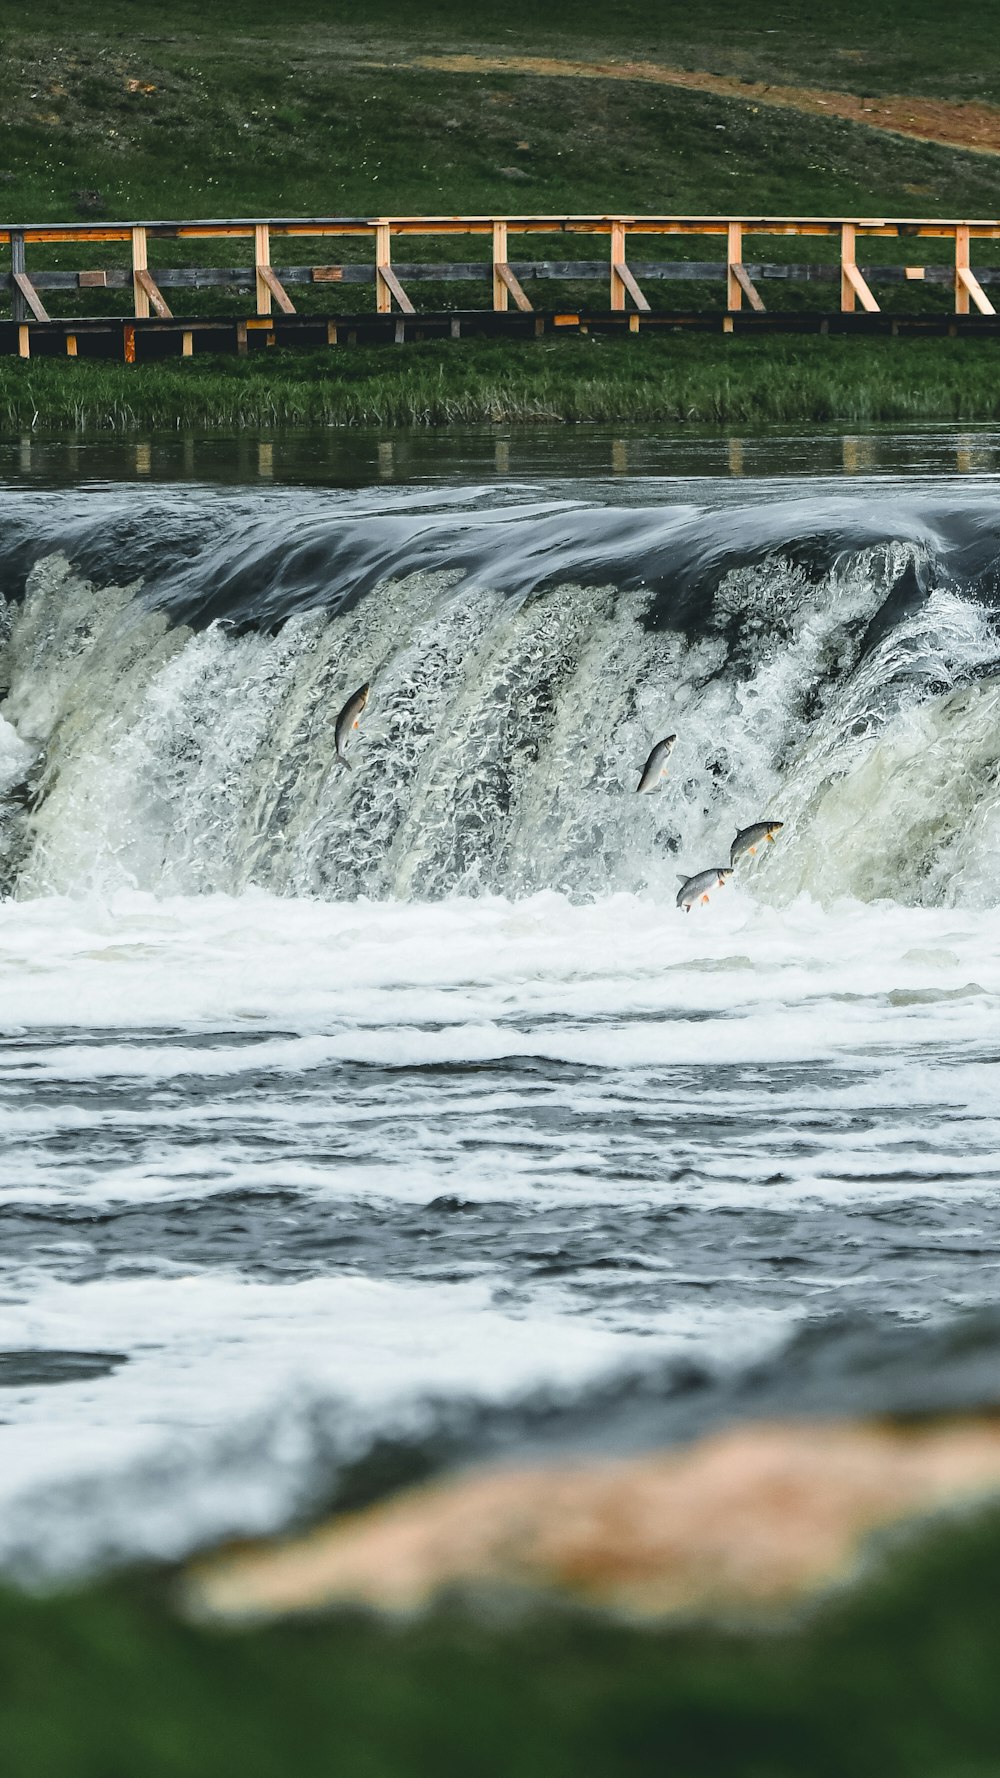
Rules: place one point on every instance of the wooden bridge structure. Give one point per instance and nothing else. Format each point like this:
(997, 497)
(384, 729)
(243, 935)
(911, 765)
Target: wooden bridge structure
(157, 300)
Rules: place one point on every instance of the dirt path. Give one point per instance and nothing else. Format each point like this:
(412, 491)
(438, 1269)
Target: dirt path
(971, 126)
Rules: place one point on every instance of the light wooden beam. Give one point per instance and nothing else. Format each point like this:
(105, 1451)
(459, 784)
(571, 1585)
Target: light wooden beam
(967, 284)
(383, 255)
(617, 259)
(140, 263)
(387, 286)
(32, 300)
(511, 285)
(747, 287)
(501, 290)
(155, 300)
(628, 283)
(262, 258)
(269, 277)
(734, 257)
(853, 288)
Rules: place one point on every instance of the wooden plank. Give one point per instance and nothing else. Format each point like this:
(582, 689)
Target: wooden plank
(972, 287)
(241, 339)
(734, 256)
(617, 259)
(92, 280)
(501, 289)
(326, 274)
(861, 290)
(154, 298)
(24, 340)
(187, 343)
(139, 264)
(262, 257)
(747, 286)
(71, 345)
(331, 333)
(511, 285)
(388, 277)
(852, 285)
(33, 301)
(128, 342)
(383, 254)
(629, 283)
(277, 289)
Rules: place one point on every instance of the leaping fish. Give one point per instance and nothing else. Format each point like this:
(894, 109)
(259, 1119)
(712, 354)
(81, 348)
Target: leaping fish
(749, 838)
(347, 721)
(700, 886)
(655, 767)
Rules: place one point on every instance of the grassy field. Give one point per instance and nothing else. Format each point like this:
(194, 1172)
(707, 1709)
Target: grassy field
(671, 381)
(897, 1680)
(315, 108)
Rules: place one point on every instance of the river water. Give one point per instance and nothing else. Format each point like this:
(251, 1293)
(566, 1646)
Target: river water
(357, 1123)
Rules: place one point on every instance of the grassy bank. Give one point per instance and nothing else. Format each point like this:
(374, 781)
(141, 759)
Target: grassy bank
(655, 381)
(895, 1681)
(310, 108)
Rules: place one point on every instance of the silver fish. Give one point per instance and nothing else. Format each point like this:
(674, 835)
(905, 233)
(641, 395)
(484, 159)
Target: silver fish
(655, 767)
(348, 720)
(700, 886)
(749, 838)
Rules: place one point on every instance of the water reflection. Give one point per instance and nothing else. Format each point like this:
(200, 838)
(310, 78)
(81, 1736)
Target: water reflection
(361, 457)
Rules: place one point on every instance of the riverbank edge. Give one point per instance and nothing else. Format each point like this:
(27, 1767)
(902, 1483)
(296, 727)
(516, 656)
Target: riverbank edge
(892, 1678)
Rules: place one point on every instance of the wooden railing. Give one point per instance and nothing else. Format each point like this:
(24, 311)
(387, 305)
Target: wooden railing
(393, 278)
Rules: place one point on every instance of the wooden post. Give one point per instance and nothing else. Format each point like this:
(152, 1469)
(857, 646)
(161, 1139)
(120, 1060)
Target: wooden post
(187, 343)
(852, 283)
(261, 258)
(24, 340)
(734, 256)
(19, 308)
(71, 345)
(500, 291)
(383, 256)
(128, 342)
(961, 264)
(241, 339)
(617, 258)
(847, 296)
(139, 264)
(331, 333)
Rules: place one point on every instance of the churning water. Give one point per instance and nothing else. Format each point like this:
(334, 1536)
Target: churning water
(357, 1122)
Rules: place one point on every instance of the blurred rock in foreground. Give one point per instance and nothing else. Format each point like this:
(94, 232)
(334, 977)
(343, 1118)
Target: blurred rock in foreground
(742, 1523)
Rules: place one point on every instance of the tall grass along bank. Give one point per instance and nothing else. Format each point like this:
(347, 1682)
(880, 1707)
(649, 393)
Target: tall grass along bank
(645, 381)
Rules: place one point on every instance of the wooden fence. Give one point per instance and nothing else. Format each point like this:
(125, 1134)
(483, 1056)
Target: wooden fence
(629, 285)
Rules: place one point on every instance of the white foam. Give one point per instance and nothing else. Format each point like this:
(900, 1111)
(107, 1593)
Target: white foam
(235, 1390)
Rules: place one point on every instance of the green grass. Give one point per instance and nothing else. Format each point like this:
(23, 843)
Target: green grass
(656, 381)
(897, 1680)
(316, 107)
(311, 108)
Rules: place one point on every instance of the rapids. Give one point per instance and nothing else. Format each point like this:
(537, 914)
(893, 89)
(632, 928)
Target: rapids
(356, 1123)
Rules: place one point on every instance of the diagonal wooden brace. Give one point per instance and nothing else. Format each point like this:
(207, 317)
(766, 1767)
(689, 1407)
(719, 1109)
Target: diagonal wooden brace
(748, 287)
(510, 283)
(157, 302)
(395, 288)
(624, 275)
(269, 276)
(23, 283)
(970, 283)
